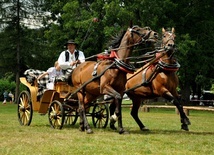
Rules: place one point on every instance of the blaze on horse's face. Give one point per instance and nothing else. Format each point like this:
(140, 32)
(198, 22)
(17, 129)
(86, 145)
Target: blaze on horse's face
(144, 35)
(168, 39)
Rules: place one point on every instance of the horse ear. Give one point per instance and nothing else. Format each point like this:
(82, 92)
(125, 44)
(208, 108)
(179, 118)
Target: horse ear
(173, 30)
(130, 24)
(163, 30)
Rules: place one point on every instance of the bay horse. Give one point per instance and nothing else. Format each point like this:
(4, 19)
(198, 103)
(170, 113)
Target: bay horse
(158, 79)
(93, 79)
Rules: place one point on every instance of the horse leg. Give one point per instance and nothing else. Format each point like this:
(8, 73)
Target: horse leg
(81, 128)
(184, 119)
(136, 102)
(84, 125)
(118, 113)
(112, 118)
(117, 101)
(114, 94)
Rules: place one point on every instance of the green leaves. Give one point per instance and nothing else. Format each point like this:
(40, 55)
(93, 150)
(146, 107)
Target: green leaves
(74, 19)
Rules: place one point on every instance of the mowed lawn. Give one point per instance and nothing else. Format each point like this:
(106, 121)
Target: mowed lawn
(164, 137)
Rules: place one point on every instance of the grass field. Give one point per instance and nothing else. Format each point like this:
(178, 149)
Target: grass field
(164, 137)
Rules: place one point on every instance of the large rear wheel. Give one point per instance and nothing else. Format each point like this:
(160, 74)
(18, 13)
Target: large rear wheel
(100, 115)
(25, 109)
(56, 115)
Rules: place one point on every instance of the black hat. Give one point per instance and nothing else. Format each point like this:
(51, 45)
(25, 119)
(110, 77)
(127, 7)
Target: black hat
(71, 42)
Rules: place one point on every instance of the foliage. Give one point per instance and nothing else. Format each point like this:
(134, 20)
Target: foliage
(93, 23)
(6, 85)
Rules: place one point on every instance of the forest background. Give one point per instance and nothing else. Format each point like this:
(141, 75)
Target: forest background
(33, 33)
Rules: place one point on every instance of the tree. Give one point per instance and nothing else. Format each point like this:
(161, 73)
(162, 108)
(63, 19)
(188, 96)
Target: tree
(15, 14)
(93, 23)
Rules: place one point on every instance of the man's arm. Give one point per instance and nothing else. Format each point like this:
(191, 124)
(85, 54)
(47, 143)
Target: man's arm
(81, 57)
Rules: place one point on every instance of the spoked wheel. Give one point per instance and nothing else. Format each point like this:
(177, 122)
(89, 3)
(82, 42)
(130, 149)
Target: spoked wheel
(56, 115)
(25, 109)
(71, 116)
(100, 115)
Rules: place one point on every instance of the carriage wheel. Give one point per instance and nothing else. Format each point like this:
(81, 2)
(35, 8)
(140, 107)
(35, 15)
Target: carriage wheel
(56, 115)
(25, 109)
(100, 115)
(71, 116)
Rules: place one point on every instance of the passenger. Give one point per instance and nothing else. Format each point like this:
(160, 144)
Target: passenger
(70, 58)
(53, 73)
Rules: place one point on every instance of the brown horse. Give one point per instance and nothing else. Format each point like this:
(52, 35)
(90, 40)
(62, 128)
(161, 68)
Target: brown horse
(157, 79)
(93, 79)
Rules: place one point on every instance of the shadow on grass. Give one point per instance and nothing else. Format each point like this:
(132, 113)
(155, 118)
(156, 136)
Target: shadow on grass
(168, 132)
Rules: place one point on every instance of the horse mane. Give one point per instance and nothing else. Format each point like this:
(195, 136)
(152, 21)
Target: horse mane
(116, 40)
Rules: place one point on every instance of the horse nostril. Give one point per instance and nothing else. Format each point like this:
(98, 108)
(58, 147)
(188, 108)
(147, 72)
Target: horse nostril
(171, 45)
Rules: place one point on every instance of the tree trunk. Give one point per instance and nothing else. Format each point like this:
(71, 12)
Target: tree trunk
(17, 52)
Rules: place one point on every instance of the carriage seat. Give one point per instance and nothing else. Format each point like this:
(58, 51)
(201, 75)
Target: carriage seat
(31, 77)
(63, 88)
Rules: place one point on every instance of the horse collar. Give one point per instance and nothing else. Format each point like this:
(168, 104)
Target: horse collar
(128, 68)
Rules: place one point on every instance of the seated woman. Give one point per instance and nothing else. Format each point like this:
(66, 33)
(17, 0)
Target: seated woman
(53, 73)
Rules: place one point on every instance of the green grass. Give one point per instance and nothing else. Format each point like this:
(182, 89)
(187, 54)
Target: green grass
(164, 137)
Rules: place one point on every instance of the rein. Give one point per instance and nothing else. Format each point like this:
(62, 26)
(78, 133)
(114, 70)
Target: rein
(140, 41)
(68, 96)
(154, 60)
(144, 67)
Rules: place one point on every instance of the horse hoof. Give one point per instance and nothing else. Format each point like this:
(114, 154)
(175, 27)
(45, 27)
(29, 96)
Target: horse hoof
(89, 131)
(184, 127)
(144, 129)
(186, 121)
(122, 131)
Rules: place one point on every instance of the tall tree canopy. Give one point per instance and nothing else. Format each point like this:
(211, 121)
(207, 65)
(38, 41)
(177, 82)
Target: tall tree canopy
(92, 23)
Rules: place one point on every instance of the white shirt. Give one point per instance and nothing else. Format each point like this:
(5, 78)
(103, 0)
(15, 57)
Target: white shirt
(52, 74)
(65, 65)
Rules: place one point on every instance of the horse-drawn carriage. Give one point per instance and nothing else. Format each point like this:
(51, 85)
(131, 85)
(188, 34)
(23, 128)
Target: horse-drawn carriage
(93, 79)
(90, 81)
(60, 111)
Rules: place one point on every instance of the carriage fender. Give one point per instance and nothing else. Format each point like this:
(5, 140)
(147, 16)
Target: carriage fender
(47, 98)
(33, 89)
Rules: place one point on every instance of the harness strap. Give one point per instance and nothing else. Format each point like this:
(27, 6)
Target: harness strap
(169, 67)
(128, 68)
(69, 95)
(94, 73)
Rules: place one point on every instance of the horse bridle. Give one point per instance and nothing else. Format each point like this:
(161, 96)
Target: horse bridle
(170, 38)
(144, 37)
(129, 68)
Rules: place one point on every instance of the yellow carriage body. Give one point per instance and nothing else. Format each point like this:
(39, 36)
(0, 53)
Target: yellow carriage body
(61, 89)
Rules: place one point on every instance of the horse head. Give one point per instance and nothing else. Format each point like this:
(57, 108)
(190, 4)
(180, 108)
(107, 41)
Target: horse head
(168, 39)
(168, 62)
(133, 37)
(142, 35)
